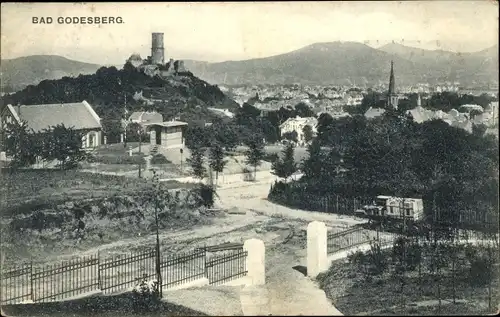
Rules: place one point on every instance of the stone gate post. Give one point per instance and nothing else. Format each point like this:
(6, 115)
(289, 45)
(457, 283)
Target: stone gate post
(317, 260)
(256, 261)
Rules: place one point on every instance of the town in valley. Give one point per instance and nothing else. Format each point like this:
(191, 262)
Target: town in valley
(339, 178)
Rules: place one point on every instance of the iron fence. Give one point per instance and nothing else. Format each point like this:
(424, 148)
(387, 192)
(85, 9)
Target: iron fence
(120, 273)
(225, 267)
(16, 285)
(337, 241)
(179, 269)
(126, 271)
(66, 279)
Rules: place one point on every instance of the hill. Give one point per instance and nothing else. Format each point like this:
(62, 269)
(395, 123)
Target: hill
(320, 63)
(20, 72)
(480, 66)
(346, 62)
(108, 90)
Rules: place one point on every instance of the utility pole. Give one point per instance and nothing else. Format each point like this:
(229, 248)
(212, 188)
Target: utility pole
(140, 141)
(126, 121)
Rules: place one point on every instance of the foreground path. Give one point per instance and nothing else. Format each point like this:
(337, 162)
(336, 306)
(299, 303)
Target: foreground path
(288, 292)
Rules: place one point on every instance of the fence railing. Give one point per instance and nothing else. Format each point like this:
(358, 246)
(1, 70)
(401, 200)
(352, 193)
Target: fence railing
(66, 279)
(16, 284)
(121, 273)
(229, 265)
(337, 241)
(187, 267)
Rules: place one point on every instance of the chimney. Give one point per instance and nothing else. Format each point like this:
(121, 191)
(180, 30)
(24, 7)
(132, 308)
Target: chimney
(19, 110)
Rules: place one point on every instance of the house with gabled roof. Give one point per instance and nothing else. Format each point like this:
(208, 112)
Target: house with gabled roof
(77, 115)
(145, 117)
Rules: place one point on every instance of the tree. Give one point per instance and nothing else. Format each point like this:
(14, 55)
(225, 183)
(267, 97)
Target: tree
(325, 122)
(286, 166)
(21, 144)
(269, 131)
(65, 145)
(308, 133)
(163, 204)
(135, 132)
(246, 113)
(197, 137)
(291, 136)
(479, 129)
(226, 134)
(311, 166)
(216, 160)
(196, 161)
(255, 153)
(302, 110)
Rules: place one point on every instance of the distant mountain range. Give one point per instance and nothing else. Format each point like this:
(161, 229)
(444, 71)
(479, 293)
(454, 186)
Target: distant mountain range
(20, 72)
(355, 63)
(320, 63)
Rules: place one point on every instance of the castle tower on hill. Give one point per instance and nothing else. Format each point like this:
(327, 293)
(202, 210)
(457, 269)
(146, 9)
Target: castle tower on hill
(392, 98)
(157, 50)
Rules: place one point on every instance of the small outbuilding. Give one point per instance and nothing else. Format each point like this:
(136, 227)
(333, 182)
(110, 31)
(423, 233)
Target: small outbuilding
(168, 134)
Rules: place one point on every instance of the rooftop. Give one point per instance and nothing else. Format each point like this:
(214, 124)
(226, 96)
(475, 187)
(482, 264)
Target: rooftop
(78, 115)
(168, 124)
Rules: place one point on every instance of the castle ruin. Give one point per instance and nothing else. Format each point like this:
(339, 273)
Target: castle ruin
(155, 64)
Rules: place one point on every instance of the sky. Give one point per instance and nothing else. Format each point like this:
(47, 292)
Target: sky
(242, 30)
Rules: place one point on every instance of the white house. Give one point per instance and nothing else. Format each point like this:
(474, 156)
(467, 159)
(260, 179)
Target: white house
(78, 115)
(297, 124)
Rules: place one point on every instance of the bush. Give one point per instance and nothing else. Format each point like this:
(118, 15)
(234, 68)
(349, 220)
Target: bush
(406, 254)
(146, 295)
(159, 159)
(376, 259)
(204, 195)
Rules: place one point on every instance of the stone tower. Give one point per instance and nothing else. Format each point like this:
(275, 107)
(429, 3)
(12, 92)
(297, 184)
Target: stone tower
(392, 98)
(157, 51)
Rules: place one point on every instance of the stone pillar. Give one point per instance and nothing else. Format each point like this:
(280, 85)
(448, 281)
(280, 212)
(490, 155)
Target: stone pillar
(317, 260)
(256, 261)
(105, 140)
(121, 138)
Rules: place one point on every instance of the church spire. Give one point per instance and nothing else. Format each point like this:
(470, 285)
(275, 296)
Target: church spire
(392, 98)
(392, 84)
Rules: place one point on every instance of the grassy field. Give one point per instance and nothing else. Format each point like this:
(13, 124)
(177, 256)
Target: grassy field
(50, 212)
(25, 190)
(353, 293)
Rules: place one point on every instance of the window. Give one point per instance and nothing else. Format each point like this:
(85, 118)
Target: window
(408, 212)
(92, 140)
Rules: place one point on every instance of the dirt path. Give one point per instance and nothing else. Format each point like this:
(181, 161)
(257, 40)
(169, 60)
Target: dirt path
(287, 291)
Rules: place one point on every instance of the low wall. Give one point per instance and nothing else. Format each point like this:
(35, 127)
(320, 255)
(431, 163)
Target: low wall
(196, 283)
